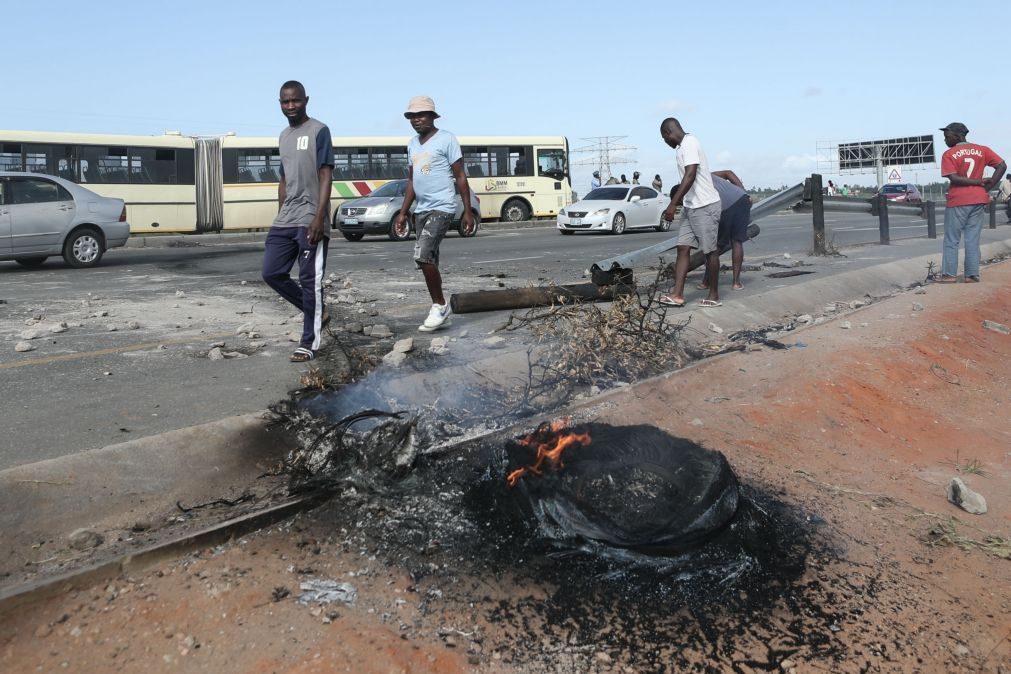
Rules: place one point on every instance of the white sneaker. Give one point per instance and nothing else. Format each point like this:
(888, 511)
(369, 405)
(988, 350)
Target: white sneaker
(438, 317)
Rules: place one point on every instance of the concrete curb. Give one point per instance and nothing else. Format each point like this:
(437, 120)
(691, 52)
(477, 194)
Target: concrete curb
(147, 240)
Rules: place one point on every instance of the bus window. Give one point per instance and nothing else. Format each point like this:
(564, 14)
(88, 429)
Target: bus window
(551, 162)
(257, 166)
(10, 157)
(477, 162)
(388, 163)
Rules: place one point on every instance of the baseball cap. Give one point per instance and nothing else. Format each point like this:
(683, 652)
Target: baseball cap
(421, 104)
(956, 127)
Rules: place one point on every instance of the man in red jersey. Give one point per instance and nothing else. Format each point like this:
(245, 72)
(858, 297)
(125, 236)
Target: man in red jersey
(963, 164)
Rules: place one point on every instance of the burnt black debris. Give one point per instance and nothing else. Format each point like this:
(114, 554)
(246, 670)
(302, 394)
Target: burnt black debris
(633, 487)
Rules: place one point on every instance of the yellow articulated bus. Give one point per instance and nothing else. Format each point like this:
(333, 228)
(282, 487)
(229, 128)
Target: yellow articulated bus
(176, 183)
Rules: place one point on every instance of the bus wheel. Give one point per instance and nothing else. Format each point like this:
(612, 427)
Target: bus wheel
(515, 210)
(83, 248)
(393, 231)
(353, 236)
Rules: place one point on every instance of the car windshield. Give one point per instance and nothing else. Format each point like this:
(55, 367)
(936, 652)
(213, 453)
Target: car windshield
(607, 194)
(390, 189)
(893, 189)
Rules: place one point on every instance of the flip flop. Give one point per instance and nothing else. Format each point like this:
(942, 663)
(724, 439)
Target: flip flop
(710, 303)
(669, 301)
(972, 279)
(948, 279)
(302, 355)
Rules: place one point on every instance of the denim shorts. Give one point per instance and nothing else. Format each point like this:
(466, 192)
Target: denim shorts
(431, 228)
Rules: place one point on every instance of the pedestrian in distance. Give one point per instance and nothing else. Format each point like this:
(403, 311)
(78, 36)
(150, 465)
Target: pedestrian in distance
(700, 217)
(595, 181)
(435, 164)
(1004, 194)
(963, 164)
(301, 230)
(611, 181)
(735, 216)
(657, 183)
(624, 180)
(830, 190)
(635, 178)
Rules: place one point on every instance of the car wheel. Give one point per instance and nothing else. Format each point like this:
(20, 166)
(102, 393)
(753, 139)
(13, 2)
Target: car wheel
(393, 231)
(83, 248)
(664, 225)
(566, 231)
(477, 226)
(30, 262)
(353, 236)
(618, 224)
(515, 210)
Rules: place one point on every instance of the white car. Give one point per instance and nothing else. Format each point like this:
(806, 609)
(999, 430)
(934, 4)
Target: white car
(615, 209)
(41, 216)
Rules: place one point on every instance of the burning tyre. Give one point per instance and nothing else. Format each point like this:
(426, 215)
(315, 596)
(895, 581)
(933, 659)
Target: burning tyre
(634, 487)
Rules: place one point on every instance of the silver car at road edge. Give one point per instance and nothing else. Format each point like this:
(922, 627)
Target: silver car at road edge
(374, 214)
(41, 216)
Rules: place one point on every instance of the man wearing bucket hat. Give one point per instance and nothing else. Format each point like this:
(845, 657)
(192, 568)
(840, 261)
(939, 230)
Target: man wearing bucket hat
(436, 162)
(963, 164)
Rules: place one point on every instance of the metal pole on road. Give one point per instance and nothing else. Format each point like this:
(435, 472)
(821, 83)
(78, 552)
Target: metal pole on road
(818, 214)
(993, 213)
(931, 216)
(882, 206)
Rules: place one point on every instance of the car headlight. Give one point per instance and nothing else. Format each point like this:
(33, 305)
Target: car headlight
(379, 210)
(602, 211)
(562, 212)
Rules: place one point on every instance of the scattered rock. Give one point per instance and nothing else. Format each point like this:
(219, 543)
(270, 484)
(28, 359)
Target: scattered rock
(786, 256)
(856, 304)
(180, 293)
(21, 347)
(715, 328)
(697, 422)
(989, 325)
(294, 337)
(405, 345)
(921, 291)
(215, 354)
(85, 539)
(381, 330)
(317, 591)
(804, 319)
(245, 327)
(58, 328)
(961, 651)
(252, 335)
(30, 334)
(217, 344)
(845, 325)
(917, 306)
(141, 525)
(367, 330)
(234, 354)
(353, 327)
(830, 308)
(111, 327)
(819, 320)
(464, 333)
(438, 346)
(495, 342)
(450, 642)
(602, 657)
(965, 498)
(43, 631)
(787, 665)
(394, 358)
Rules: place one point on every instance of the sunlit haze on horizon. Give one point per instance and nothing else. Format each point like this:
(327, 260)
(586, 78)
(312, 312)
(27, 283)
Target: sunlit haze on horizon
(761, 85)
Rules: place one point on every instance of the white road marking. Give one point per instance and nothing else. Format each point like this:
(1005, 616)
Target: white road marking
(508, 259)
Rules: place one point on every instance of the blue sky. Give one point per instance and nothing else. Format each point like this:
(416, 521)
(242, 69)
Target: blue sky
(760, 84)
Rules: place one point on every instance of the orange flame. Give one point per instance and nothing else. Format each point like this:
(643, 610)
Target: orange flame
(551, 441)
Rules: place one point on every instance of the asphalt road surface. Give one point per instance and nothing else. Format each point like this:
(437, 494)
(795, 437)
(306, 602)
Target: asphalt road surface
(103, 381)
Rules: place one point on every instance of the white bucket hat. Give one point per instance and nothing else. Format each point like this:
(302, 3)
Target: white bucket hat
(421, 104)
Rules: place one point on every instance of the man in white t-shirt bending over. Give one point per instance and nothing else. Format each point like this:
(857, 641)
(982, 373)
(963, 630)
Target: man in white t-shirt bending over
(700, 217)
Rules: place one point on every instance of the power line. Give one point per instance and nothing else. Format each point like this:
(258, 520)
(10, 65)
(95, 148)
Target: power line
(604, 148)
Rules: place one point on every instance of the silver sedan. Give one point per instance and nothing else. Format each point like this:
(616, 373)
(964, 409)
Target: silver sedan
(615, 209)
(374, 214)
(42, 215)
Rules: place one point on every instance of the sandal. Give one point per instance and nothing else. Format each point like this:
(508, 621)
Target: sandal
(669, 301)
(948, 279)
(710, 303)
(302, 355)
(972, 279)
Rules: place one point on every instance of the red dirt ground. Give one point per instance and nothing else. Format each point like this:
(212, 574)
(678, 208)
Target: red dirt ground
(865, 427)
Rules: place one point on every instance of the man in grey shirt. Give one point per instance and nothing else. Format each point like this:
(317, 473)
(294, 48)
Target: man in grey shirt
(301, 229)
